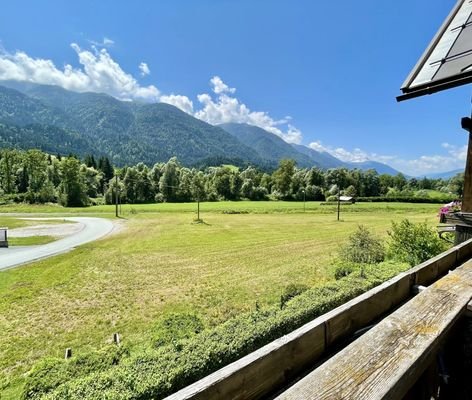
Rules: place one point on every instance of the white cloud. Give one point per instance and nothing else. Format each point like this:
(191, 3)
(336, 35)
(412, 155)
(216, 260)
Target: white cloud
(98, 73)
(106, 42)
(220, 87)
(454, 158)
(356, 155)
(182, 102)
(459, 153)
(143, 67)
(226, 108)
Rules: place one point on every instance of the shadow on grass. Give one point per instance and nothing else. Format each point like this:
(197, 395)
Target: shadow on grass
(200, 222)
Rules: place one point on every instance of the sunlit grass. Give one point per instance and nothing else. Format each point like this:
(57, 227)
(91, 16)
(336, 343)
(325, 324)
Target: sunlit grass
(163, 262)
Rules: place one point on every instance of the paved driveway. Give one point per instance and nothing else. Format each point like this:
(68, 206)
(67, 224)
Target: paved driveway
(92, 229)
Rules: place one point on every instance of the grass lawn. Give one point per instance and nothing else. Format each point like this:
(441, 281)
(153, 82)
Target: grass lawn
(163, 262)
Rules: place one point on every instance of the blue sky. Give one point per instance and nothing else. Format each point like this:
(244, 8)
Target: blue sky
(324, 74)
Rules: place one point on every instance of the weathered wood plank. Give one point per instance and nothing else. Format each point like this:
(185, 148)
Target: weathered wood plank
(360, 312)
(464, 251)
(257, 374)
(386, 361)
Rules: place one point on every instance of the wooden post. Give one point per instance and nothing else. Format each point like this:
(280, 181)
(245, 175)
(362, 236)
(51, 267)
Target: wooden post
(116, 338)
(68, 353)
(467, 195)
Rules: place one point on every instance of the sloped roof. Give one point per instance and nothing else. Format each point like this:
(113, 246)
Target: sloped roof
(447, 62)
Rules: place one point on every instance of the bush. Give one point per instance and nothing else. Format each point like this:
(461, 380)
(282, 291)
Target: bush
(156, 373)
(363, 248)
(159, 198)
(291, 291)
(414, 243)
(174, 327)
(343, 269)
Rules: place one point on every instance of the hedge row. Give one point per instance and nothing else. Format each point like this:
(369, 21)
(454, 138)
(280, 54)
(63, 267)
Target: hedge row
(406, 199)
(155, 373)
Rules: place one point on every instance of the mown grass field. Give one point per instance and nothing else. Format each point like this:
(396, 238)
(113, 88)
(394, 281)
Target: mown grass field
(161, 262)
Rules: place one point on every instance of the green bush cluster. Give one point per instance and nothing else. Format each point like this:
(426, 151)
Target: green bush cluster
(363, 247)
(158, 372)
(414, 243)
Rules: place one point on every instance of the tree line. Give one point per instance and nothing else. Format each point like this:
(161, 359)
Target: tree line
(36, 177)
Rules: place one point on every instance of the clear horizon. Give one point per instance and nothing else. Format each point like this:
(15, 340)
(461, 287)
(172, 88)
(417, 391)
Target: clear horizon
(285, 67)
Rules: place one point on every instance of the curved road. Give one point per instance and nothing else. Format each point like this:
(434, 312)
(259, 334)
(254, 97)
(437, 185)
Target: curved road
(93, 229)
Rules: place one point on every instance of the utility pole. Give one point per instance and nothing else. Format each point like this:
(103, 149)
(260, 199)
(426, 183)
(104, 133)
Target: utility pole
(339, 201)
(304, 199)
(198, 210)
(116, 195)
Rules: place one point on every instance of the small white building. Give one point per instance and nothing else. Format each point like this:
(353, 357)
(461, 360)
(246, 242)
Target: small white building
(347, 199)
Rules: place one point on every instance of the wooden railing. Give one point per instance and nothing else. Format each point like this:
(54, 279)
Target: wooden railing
(267, 370)
(387, 361)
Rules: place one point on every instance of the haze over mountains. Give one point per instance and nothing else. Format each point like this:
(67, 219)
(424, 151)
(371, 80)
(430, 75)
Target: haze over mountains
(60, 121)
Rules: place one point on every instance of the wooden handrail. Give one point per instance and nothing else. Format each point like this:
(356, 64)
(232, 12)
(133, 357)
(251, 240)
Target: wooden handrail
(387, 361)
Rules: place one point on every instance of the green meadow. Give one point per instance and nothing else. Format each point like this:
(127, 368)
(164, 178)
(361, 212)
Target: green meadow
(160, 260)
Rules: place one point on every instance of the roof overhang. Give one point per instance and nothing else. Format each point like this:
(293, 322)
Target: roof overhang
(447, 62)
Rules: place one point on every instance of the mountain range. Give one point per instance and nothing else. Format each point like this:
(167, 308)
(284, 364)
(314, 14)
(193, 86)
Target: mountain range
(443, 175)
(56, 120)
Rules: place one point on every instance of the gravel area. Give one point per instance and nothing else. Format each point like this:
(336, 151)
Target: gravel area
(54, 230)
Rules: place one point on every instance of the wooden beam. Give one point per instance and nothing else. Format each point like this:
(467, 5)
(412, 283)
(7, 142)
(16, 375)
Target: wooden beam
(387, 361)
(467, 196)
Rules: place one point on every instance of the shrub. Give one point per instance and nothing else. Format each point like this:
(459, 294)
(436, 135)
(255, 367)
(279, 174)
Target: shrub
(363, 247)
(343, 269)
(159, 198)
(174, 327)
(414, 243)
(291, 291)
